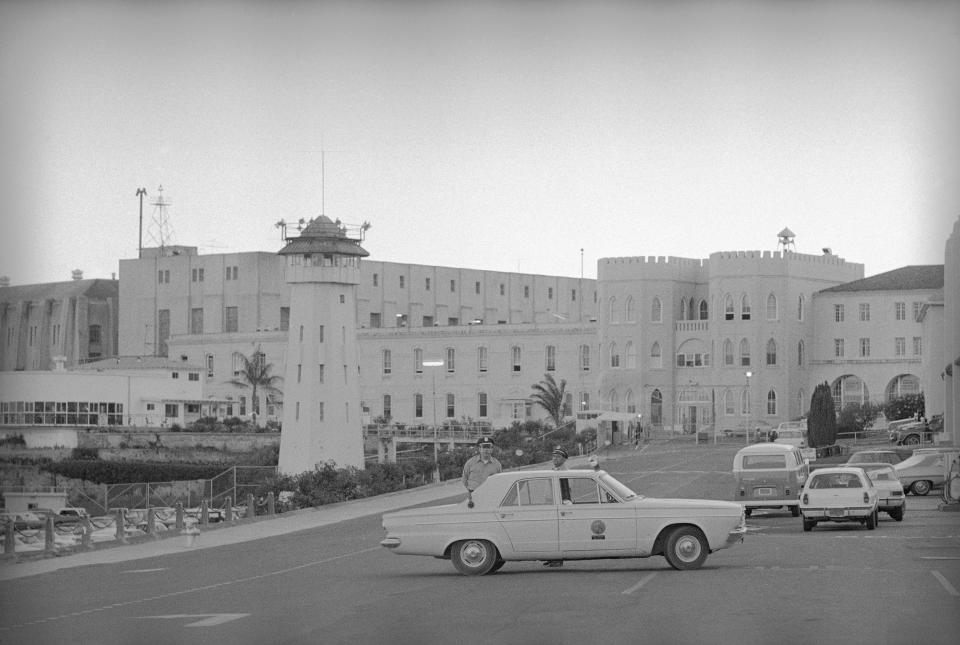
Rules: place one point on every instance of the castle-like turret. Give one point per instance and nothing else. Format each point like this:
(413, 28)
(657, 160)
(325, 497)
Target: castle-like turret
(321, 407)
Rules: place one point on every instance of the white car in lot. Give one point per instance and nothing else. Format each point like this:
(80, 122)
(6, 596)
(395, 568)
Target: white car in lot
(841, 494)
(893, 499)
(563, 515)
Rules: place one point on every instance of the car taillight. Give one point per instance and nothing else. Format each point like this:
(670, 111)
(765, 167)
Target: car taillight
(866, 497)
(897, 493)
(805, 499)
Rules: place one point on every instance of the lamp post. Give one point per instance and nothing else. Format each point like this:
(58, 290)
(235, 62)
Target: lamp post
(746, 400)
(433, 375)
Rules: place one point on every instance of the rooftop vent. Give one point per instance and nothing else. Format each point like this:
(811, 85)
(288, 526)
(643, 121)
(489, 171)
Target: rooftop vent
(77, 274)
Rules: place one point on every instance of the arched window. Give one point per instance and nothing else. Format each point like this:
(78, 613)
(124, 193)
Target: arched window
(772, 307)
(744, 307)
(728, 352)
(704, 310)
(801, 402)
(481, 359)
(515, 358)
(629, 403)
(614, 401)
(656, 408)
(730, 403)
(728, 307)
(692, 311)
(745, 402)
(683, 309)
(771, 403)
(418, 360)
(612, 311)
(800, 353)
(744, 353)
(656, 357)
(614, 356)
(800, 307)
(631, 354)
(628, 313)
(656, 310)
(386, 359)
(771, 352)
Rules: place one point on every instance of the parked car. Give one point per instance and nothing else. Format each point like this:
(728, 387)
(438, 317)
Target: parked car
(839, 494)
(791, 437)
(893, 499)
(925, 470)
(563, 515)
(913, 432)
(875, 456)
(769, 475)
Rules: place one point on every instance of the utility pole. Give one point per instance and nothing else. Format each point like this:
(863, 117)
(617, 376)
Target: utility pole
(140, 193)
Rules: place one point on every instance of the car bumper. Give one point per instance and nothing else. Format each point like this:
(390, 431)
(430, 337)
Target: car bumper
(845, 514)
(891, 503)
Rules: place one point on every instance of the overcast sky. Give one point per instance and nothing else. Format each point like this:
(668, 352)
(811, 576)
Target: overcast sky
(502, 136)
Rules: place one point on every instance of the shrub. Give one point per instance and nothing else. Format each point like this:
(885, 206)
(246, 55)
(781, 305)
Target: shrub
(855, 417)
(822, 421)
(14, 441)
(85, 453)
(904, 407)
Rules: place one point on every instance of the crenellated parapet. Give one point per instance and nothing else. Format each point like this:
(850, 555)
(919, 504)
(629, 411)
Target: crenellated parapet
(651, 268)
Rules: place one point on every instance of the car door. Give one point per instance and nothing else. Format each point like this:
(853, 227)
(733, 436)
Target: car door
(593, 521)
(528, 515)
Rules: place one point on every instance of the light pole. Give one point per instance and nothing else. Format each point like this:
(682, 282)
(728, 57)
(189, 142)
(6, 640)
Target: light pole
(746, 401)
(433, 375)
(140, 193)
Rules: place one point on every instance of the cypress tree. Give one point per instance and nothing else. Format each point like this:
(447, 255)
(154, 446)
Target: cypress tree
(822, 421)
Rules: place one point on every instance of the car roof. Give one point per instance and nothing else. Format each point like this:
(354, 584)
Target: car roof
(878, 464)
(839, 470)
(766, 447)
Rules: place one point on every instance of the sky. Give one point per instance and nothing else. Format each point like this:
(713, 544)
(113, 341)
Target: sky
(525, 136)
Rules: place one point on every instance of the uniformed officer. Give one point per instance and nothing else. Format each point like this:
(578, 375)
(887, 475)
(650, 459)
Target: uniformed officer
(480, 466)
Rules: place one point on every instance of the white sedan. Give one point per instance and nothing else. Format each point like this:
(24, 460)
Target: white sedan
(563, 515)
(841, 494)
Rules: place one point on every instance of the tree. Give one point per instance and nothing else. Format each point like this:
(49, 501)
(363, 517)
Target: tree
(855, 417)
(822, 421)
(904, 407)
(550, 396)
(255, 373)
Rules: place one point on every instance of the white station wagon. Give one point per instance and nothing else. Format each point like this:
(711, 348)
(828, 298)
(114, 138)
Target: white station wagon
(563, 515)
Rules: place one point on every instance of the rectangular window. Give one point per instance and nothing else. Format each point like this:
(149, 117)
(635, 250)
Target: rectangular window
(515, 358)
(549, 293)
(171, 410)
(573, 295)
(428, 321)
(193, 376)
(864, 347)
(321, 333)
(401, 282)
(476, 287)
(451, 358)
(320, 373)
(917, 346)
(427, 284)
(418, 406)
(900, 346)
(502, 289)
(864, 312)
(482, 405)
(387, 406)
(451, 408)
(320, 411)
(298, 411)
(551, 358)
(376, 279)
(900, 310)
(916, 310)
(526, 292)
(418, 361)
(584, 358)
(236, 273)
(209, 365)
(453, 286)
(375, 321)
(838, 347)
(838, 313)
(196, 320)
(482, 359)
(584, 400)
(193, 275)
(387, 362)
(285, 319)
(231, 320)
(94, 334)
(453, 322)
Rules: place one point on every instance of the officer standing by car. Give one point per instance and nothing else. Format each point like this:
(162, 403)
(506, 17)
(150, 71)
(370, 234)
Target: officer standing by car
(480, 466)
(560, 458)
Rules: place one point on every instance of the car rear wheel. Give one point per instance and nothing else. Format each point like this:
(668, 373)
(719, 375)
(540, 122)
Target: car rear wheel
(921, 487)
(498, 564)
(897, 514)
(687, 548)
(911, 440)
(474, 557)
(808, 524)
(872, 520)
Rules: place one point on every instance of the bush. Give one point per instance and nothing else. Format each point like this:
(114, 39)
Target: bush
(124, 472)
(85, 453)
(14, 441)
(855, 417)
(904, 407)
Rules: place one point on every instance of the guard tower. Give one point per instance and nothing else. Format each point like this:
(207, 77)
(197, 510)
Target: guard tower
(321, 389)
(785, 240)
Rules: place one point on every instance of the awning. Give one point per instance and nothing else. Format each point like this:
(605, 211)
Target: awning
(626, 417)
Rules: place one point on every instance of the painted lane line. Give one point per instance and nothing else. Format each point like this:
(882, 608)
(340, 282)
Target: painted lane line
(945, 584)
(144, 570)
(647, 578)
(940, 557)
(207, 620)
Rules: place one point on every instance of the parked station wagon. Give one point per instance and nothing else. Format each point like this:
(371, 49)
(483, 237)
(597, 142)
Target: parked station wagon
(563, 515)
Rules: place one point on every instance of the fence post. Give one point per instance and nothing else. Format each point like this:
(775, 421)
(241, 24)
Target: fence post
(228, 509)
(148, 516)
(271, 504)
(251, 509)
(121, 522)
(179, 508)
(86, 538)
(49, 528)
(9, 537)
(204, 513)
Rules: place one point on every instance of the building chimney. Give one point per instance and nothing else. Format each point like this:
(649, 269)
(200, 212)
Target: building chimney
(77, 274)
(4, 281)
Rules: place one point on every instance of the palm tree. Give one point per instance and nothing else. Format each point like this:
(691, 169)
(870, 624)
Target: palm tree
(550, 396)
(255, 374)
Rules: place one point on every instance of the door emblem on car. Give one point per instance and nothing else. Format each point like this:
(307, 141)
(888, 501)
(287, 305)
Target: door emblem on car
(598, 527)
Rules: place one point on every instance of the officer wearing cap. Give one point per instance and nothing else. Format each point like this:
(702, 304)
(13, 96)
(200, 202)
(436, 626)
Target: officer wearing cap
(480, 466)
(560, 458)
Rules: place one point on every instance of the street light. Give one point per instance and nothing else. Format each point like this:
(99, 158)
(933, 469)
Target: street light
(746, 400)
(433, 375)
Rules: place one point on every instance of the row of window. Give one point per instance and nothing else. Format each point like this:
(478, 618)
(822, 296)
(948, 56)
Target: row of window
(519, 409)
(899, 347)
(899, 311)
(96, 413)
(690, 309)
(476, 287)
(197, 274)
(449, 362)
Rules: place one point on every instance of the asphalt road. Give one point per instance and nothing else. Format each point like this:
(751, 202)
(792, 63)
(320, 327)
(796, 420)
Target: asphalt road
(335, 584)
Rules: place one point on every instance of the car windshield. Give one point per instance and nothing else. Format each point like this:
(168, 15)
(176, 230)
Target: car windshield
(835, 480)
(620, 489)
(791, 434)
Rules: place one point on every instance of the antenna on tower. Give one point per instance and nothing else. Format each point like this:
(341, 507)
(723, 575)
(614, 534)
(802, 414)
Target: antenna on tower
(160, 231)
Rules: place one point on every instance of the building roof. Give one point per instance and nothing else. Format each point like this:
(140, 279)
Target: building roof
(94, 288)
(908, 278)
(323, 236)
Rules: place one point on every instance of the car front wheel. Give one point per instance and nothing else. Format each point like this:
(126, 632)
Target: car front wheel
(687, 548)
(808, 524)
(474, 557)
(911, 440)
(921, 487)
